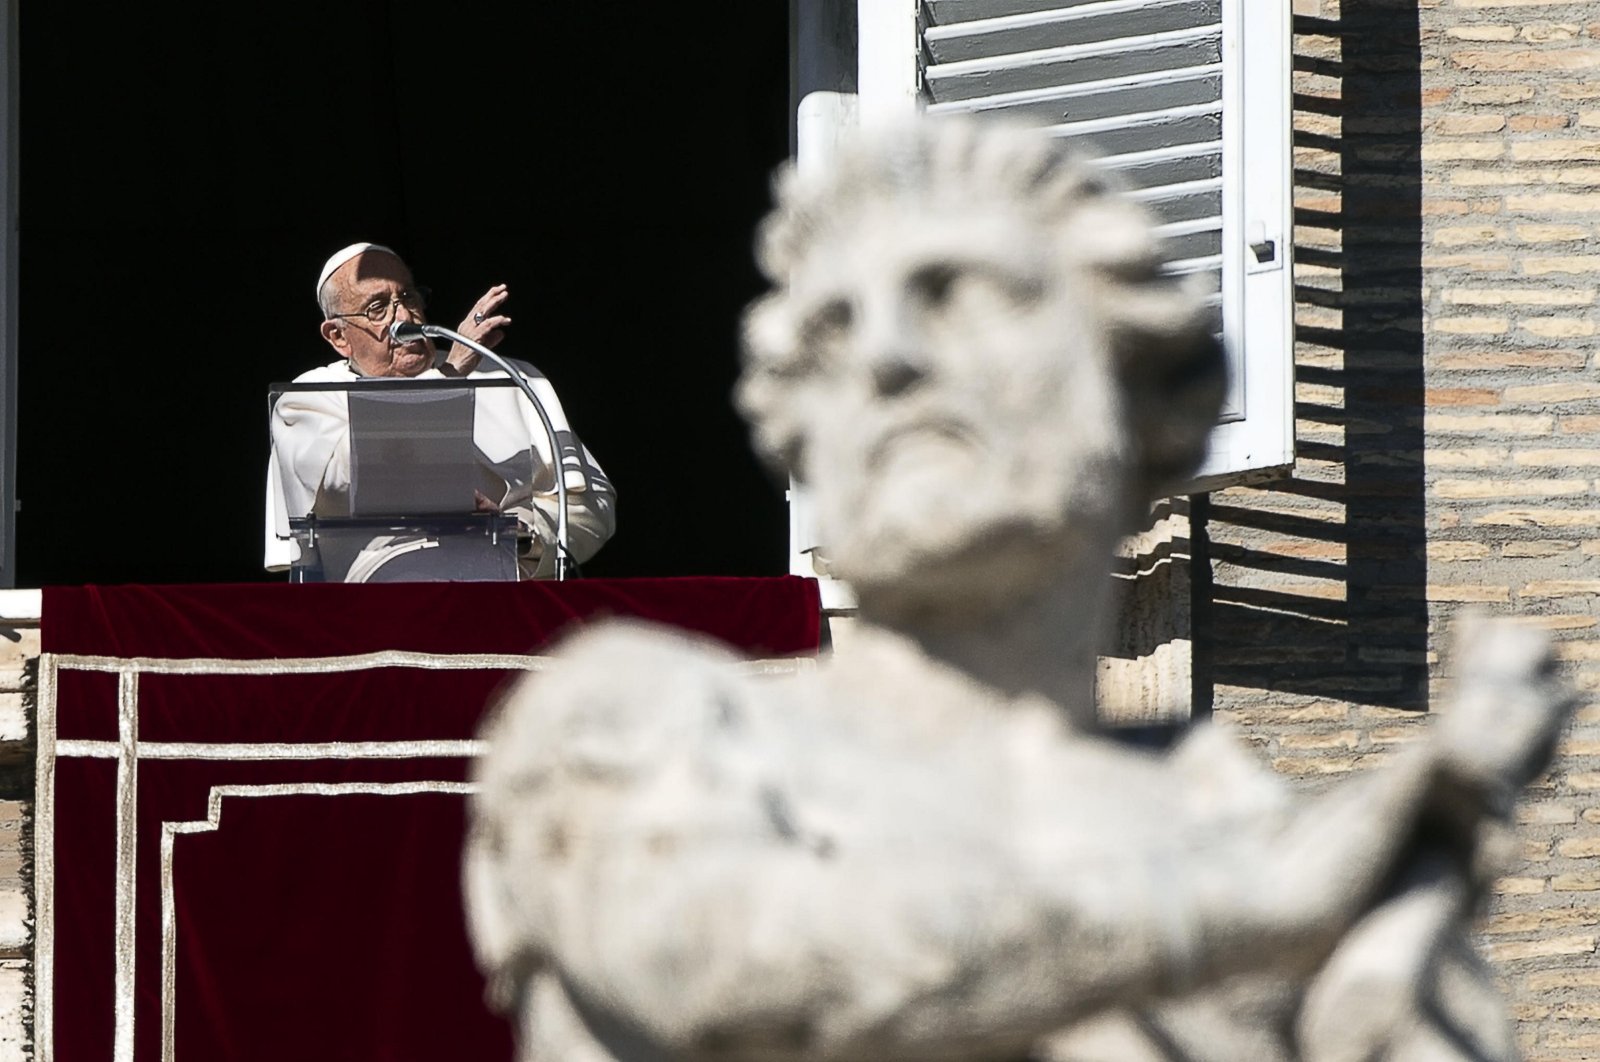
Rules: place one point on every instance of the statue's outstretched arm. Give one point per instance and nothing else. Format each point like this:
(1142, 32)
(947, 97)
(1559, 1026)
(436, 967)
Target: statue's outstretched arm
(686, 882)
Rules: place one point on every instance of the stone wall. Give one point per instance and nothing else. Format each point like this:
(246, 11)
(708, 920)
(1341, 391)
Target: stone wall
(1448, 420)
(19, 652)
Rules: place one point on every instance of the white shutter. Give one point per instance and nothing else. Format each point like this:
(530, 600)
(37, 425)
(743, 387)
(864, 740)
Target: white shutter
(1188, 101)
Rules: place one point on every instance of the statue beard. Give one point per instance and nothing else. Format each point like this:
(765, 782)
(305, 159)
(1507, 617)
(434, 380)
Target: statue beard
(940, 533)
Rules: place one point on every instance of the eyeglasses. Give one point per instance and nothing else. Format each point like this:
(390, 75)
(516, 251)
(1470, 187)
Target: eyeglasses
(378, 310)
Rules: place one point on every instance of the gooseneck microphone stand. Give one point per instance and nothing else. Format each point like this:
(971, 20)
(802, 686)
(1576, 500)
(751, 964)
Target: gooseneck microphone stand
(408, 331)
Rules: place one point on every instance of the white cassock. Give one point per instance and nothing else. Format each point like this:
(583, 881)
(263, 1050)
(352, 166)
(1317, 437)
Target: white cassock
(309, 470)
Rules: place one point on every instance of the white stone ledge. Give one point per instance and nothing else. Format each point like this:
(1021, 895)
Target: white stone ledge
(21, 607)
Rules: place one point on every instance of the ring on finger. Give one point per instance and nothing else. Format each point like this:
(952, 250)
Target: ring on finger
(477, 318)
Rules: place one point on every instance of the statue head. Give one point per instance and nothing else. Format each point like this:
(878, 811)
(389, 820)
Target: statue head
(972, 358)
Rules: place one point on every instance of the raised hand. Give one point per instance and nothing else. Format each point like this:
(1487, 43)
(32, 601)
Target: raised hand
(483, 324)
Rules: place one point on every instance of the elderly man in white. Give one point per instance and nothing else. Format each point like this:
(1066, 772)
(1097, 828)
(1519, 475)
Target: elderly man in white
(361, 291)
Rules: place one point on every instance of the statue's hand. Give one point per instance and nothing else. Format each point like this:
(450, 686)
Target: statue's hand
(1500, 729)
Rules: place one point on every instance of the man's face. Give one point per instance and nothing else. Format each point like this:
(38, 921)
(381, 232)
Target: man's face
(375, 279)
(961, 419)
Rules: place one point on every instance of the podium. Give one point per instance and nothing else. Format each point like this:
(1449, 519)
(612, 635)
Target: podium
(379, 479)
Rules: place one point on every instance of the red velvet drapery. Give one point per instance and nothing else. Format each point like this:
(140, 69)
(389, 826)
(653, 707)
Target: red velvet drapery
(302, 830)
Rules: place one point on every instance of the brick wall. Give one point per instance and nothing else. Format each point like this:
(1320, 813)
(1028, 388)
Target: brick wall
(1448, 420)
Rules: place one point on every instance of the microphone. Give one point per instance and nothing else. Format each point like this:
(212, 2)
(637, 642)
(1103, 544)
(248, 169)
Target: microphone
(404, 332)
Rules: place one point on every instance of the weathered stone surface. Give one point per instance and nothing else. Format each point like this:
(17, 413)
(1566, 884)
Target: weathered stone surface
(14, 1010)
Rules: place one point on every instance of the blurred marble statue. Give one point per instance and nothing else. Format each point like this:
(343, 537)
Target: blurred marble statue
(923, 850)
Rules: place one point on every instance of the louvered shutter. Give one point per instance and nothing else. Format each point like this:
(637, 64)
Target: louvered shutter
(1188, 102)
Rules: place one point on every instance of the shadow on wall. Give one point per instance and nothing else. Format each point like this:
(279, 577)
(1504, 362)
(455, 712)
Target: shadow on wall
(1319, 581)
